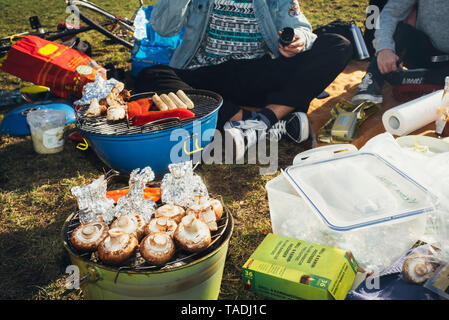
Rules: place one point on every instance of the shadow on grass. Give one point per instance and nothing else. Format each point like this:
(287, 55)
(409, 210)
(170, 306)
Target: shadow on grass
(22, 169)
(32, 259)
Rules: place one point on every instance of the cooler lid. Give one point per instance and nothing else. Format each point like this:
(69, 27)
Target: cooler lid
(358, 190)
(15, 124)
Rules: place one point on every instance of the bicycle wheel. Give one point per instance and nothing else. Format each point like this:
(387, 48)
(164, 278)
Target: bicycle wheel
(118, 29)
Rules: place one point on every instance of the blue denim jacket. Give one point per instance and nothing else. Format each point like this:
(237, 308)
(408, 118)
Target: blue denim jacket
(170, 16)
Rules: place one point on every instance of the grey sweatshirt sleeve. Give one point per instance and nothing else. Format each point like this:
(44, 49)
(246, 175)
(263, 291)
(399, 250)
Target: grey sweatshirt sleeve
(169, 16)
(394, 12)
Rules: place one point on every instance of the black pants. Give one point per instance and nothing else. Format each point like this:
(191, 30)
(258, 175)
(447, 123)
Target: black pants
(257, 83)
(415, 50)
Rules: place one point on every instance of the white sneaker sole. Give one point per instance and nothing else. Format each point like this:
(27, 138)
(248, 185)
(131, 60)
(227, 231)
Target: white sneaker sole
(305, 130)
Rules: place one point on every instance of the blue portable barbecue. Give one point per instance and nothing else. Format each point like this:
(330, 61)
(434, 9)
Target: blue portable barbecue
(124, 147)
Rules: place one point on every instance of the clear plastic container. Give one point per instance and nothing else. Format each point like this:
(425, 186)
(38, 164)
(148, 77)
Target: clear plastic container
(47, 130)
(356, 202)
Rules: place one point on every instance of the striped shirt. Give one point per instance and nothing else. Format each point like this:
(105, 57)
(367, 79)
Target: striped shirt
(232, 33)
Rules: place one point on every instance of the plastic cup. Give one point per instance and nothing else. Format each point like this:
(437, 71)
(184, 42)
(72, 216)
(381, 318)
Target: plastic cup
(47, 130)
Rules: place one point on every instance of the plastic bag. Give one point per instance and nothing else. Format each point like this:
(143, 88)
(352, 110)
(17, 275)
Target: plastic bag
(149, 47)
(430, 172)
(404, 279)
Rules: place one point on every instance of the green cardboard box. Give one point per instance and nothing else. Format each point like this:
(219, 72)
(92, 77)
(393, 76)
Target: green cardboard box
(286, 268)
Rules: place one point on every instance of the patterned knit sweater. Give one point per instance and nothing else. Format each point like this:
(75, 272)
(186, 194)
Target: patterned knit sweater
(232, 33)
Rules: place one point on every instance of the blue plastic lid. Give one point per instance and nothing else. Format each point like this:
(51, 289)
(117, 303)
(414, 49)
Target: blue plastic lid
(15, 122)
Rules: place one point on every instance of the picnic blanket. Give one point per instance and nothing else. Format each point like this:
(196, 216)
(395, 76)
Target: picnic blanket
(345, 86)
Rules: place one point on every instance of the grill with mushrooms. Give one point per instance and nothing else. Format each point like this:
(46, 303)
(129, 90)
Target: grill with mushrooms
(171, 227)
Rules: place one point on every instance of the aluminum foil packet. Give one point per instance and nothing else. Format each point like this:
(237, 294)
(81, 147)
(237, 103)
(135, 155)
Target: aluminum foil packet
(135, 202)
(92, 202)
(180, 185)
(99, 89)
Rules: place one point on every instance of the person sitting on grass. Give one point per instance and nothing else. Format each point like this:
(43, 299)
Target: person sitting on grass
(232, 47)
(400, 44)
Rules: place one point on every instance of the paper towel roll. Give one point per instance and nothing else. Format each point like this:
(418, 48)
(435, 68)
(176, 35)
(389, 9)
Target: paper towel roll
(412, 115)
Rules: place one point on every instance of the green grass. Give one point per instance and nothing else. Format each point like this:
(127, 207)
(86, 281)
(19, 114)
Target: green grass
(35, 196)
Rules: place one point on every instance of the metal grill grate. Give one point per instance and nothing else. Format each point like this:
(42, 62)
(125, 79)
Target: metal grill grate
(137, 263)
(205, 102)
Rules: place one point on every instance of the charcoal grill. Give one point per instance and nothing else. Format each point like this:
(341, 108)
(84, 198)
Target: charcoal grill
(124, 147)
(185, 276)
(206, 102)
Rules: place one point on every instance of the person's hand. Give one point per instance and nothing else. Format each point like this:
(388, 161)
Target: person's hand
(293, 48)
(387, 61)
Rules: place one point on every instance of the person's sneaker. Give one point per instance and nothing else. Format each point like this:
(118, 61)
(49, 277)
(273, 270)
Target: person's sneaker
(369, 90)
(294, 125)
(245, 134)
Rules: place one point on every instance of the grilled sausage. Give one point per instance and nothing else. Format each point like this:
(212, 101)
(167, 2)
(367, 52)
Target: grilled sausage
(159, 103)
(184, 98)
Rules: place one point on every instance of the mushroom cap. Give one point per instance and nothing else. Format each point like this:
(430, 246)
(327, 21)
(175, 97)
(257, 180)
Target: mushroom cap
(206, 215)
(117, 247)
(217, 207)
(192, 234)
(87, 237)
(417, 268)
(170, 211)
(130, 223)
(204, 200)
(161, 224)
(157, 248)
(206, 209)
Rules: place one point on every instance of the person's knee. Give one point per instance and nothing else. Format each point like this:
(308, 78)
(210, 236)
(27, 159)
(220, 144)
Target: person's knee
(342, 46)
(145, 78)
(338, 47)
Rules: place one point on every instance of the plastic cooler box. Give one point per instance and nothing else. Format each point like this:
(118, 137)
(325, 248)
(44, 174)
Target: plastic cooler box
(350, 200)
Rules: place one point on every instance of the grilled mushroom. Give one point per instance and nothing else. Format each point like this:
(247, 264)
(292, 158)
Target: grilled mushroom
(417, 268)
(170, 211)
(87, 237)
(206, 209)
(117, 247)
(157, 248)
(94, 109)
(131, 223)
(161, 224)
(205, 213)
(192, 234)
(117, 112)
(217, 207)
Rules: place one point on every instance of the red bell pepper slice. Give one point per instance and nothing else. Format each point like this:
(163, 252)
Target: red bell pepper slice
(138, 107)
(150, 116)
